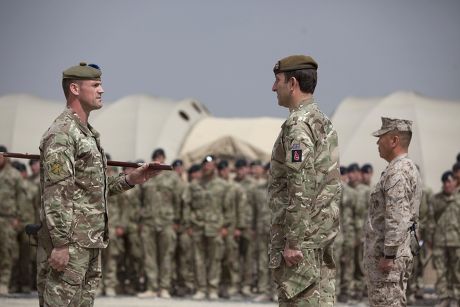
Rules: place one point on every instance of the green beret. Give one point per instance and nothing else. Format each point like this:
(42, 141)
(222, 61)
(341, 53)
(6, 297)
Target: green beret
(390, 124)
(295, 62)
(83, 72)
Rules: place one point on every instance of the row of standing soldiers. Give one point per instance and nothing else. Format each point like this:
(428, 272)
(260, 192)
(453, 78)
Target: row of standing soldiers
(206, 236)
(438, 234)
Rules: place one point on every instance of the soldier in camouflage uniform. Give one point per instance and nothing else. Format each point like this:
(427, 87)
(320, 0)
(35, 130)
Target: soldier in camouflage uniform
(425, 231)
(204, 199)
(346, 240)
(304, 191)
(22, 279)
(393, 210)
(446, 242)
(235, 198)
(162, 201)
(11, 197)
(265, 286)
(75, 190)
(110, 255)
(186, 263)
(247, 235)
(132, 260)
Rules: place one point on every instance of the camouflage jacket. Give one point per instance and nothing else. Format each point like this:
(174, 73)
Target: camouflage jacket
(394, 207)
(246, 211)
(262, 211)
(235, 198)
(11, 192)
(447, 217)
(304, 187)
(205, 200)
(74, 183)
(162, 200)
(348, 214)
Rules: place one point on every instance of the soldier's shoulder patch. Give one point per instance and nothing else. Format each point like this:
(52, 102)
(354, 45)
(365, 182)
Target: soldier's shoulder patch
(296, 155)
(56, 168)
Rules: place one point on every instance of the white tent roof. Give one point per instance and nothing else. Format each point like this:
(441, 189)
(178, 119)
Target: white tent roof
(260, 133)
(436, 131)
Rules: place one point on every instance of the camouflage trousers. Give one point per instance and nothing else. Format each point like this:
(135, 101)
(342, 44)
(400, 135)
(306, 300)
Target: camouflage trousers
(185, 267)
(110, 263)
(247, 252)
(22, 278)
(446, 261)
(77, 284)
(309, 283)
(158, 247)
(388, 289)
(207, 254)
(230, 265)
(42, 273)
(264, 284)
(347, 261)
(9, 252)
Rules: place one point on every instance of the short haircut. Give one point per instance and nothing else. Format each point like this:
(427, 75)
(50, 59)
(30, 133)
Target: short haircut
(306, 78)
(66, 86)
(405, 137)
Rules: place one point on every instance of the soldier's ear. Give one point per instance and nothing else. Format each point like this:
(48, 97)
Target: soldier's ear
(74, 88)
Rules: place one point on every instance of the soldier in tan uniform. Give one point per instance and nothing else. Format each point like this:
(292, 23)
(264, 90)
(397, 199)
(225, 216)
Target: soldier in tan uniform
(446, 241)
(162, 200)
(75, 189)
(304, 191)
(393, 210)
(11, 197)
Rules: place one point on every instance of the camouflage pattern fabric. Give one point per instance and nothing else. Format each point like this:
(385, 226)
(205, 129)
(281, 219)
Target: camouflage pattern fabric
(73, 209)
(304, 194)
(205, 200)
(394, 207)
(12, 196)
(446, 244)
(162, 200)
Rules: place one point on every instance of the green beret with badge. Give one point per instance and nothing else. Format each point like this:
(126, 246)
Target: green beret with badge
(83, 71)
(295, 62)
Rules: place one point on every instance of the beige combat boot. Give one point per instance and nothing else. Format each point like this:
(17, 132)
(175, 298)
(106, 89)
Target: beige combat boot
(199, 295)
(164, 293)
(147, 294)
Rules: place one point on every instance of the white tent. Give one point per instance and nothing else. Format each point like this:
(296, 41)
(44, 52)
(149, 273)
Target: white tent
(436, 131)
(259, 133)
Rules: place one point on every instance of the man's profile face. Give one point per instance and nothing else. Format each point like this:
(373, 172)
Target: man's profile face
(282, 90)
(90, 94)
(208, 168)
(385, 145)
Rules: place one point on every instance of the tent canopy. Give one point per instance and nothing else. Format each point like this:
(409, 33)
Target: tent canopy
(436, 129)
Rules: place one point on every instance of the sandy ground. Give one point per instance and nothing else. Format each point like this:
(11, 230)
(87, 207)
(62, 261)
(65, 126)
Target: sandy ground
(129, 301)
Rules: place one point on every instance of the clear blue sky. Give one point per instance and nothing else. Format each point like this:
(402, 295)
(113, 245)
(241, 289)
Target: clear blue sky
(222, 52)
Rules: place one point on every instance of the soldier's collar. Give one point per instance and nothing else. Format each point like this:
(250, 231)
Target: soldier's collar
(84, 128)
(302, 104)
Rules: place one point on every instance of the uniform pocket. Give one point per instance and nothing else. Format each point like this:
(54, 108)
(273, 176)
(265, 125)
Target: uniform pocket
(72, 277)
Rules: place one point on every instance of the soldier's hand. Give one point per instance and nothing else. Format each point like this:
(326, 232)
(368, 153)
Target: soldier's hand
(292, 256)
(119, 231)
(237, 233)
(190, 231)
(59, 258)
(141, 174)
(223, 232)
(386, 265)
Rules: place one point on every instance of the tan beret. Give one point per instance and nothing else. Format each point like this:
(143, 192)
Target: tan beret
(390, 124)
(295, 62)
(83, 71)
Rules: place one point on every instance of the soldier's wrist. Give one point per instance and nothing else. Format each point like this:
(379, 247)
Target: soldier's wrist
(127, 182)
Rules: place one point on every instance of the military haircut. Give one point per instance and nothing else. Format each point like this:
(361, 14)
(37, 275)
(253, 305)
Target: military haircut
(456, 167)
(306, 77)
(66, 85)
(404, 137)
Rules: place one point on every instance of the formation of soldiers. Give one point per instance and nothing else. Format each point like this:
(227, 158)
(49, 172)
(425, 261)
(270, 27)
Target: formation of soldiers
(206, 236)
